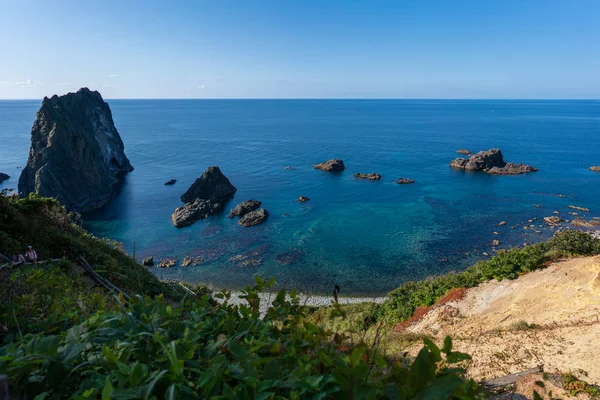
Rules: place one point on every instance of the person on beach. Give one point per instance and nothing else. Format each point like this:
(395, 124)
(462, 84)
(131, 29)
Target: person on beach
(31, 255)
(17, 259)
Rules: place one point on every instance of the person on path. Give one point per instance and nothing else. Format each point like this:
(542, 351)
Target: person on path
(17, 259)
(31, 255)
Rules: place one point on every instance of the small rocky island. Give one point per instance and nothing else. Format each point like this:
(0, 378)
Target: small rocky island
(370, 176)
(76, 154)
(3, 177)
(405, 181)
(206, 197)
(334, 165)
(491, 162)
(244, 208)
(595, 168)
(256, 217)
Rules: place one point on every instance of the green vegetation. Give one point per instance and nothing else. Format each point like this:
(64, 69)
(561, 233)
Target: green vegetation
(506, 264)
(522, 326)
(61, 336)
(44, 224)
(199, 349)
(576, 386)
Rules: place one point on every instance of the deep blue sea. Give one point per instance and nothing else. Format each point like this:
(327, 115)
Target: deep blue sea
(368, 237)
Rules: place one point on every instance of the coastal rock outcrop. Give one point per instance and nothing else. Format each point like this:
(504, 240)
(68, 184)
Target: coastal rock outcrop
(3, 177)
(255, 217)
(553, 221)
(492, 162)
(205, 197)
(166, 263)
(405, 181)
(76, 154)
(370, 176)
(244, 208)
(148, 261)
(334, 165)
(191, 212)
(595, 168)
(212, 185)
(303, 199)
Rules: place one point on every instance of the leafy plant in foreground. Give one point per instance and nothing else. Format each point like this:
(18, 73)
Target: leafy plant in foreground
(153, 349)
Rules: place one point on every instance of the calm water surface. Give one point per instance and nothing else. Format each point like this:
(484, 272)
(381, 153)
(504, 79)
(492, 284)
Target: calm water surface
(368, 237)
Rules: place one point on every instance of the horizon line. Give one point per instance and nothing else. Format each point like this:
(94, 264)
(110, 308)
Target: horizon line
(336, 98)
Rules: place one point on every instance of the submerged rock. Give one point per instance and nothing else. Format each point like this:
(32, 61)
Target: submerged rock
(187, 261)
(206, 197)
(290, 257)
(148, 261)
(303, 199)
(255, 217)
(3, 177)
(170, 182)
(76, 154)
(334, 165)
(244, 208)
(405, 181)
(370, 176)
(492, 162)
(595, 168)
(463, 151)
(195, 211)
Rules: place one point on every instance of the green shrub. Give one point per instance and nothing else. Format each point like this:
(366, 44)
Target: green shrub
(44, 224)
(196, 350)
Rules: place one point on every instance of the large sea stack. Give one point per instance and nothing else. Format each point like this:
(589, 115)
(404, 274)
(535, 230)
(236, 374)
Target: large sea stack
(492, 162)
(206, 197)
(76, 154)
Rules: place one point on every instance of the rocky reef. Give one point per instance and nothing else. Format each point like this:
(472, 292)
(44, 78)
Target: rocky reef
(370, 176)
(76, 154)
(334, 165)
(205, 197)
(244, 208)
(255, 217)
(3, 177)
(492, 162)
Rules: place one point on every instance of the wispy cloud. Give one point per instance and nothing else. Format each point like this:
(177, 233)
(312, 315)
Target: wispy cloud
(5, 83)
(113, 75)
(29, 82)
(202, 87)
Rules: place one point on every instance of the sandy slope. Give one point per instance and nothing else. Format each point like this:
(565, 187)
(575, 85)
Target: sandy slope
(563, 301)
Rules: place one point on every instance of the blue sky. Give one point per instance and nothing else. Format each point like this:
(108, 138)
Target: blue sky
(301, 49)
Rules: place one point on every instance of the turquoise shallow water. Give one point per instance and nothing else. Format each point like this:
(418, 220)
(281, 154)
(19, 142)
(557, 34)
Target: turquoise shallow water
(368, 237)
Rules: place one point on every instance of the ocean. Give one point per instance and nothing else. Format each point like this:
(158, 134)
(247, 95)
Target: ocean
(368, 237)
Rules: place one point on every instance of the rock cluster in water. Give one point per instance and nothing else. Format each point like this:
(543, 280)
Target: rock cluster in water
(204, 198)
(244, 208)
(334, 165)
(492, 162)
(255, 217)
(3, 177)
(371, 176)
(76, 154)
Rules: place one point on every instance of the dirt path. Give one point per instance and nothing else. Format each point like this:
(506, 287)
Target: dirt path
(549, 317)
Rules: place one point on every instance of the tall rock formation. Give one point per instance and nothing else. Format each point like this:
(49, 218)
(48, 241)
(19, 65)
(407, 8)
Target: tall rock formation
(207, 196)
(76, 154)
